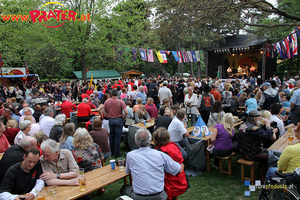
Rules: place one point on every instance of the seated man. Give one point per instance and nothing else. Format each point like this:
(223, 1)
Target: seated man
(6, 116)
(84, 112)
(165, 120)
(27, 112)
(250, 138)
(151, 108)
(47, 122)
(22, 178)
(147, 167)
(177, 129)
(15, 154)
(58, 165)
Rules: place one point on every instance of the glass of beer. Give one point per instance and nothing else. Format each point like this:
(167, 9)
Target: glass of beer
(52, 191)
(82, 182)
(290, 137)
(41, 195)
(80, 171)
(121, 163)
(262, 120)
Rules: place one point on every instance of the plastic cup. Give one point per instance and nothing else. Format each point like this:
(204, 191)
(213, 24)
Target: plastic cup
(41, 195)
(144, 122)
(121, 163)
(82, 182)
(112, 164)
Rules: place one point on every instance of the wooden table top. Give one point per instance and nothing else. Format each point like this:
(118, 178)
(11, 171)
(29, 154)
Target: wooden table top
(148, 124)
(96, 179)
(281, 143)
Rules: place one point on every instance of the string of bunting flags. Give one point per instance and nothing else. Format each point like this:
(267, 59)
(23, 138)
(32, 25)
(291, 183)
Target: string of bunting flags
(287, 48)
(148, 55)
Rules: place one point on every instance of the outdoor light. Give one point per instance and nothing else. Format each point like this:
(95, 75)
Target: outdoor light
(261, 52)
(233, 54)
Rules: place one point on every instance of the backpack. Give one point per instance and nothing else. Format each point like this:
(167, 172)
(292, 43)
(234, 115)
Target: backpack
(226, 98)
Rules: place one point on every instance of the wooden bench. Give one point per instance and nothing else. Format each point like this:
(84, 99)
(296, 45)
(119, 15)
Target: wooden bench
(67, 120)
(81, 124)
(228, 158)
(244, 162)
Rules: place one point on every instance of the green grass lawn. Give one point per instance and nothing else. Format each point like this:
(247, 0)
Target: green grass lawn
(208, 185)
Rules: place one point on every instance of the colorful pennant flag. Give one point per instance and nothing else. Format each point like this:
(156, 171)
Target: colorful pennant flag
(134, 51)
(91, 81)
(26, 67)
(283, 50)
(194, 56)
(197, 56)
(189, 54)
(200, 128)
(119, 53)
(150, 55)
(160, 59)
(293, 44)
(297, 29)
(185, 56)
(168, 52)
(179, 57)
(268, 50)
(202, 55)
(274, 51)
(143, 54)
(164, 56)
(126, 52)
(175, 56)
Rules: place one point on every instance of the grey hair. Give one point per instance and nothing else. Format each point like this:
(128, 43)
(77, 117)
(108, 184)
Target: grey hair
(48, 111)
(26, 109)
(252, 115)
(27, 141)
(24, 124)
(84, 100)
(50, 144)
(60, 119)
(143, 137)
(180, 114)
(63, 99)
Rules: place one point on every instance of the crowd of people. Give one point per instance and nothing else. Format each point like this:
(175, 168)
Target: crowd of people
(38, 141)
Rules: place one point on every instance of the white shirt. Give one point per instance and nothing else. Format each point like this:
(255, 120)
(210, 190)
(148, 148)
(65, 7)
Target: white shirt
(19, 137)
(280, 124)
(46, 124)
(34, 129)
(194, 102)
(163, 93)
(22, 113)
(176, 130)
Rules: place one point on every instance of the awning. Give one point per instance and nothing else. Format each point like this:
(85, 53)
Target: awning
(17, 76)
(98, 74)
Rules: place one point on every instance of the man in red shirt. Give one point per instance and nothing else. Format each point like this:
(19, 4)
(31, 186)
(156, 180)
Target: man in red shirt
(67, 107)
(90, 91)
(113, 108)
(151, 109)
(216, 94)
(84, 112)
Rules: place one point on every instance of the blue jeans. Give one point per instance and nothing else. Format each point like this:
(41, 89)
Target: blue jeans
(106, 155)
(115, 126)
(271, 171)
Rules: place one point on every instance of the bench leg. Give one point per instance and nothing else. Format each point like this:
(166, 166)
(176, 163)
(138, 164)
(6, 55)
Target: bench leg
(242, 172)
(252, 173)
(220, 165)
(229, 166)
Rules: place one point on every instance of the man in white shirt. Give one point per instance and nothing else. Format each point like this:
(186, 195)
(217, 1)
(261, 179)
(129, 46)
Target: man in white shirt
(47, 122)
(164, 92)
(177, 129)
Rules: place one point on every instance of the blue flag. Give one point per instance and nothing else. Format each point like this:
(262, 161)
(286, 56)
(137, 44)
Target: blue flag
(284, 51)
(143, 54)
(194, 56)
(175, 55)
(298, 30)
(200, 128)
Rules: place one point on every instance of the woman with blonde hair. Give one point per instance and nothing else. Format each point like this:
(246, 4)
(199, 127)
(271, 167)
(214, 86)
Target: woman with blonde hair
(141, 114)
(66, 140)
(221, 138)
(138, 103)
(11, 131)
(87, 154)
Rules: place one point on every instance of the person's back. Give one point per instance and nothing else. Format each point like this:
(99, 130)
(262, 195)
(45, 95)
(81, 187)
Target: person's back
(163, 121)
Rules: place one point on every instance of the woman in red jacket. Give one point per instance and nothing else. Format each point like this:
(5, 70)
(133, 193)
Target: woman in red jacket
(174, 185)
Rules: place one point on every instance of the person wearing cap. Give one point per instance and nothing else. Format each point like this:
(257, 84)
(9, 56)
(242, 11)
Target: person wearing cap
(268, 97)
(166, 104)
(164, 92)
(295, 105)
(6, 116)
(94, 101)
(251, 135)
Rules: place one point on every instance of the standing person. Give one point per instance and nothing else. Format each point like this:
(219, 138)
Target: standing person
(113, 109)
(191, 102)
(181, 86)
(164, 92)
(23, 177)
(226, 96)
(221, 138)
(133, 94)
(216, 94)
(206, 101)
(268, 97)
(295, 105)
(147, 167)
(19, 94)
(175, 93)
(142, 95)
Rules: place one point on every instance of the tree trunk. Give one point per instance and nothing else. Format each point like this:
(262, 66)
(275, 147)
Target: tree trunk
(192, 71)
(83, 66)
(198, 63)
(179, 64)
(160, 67)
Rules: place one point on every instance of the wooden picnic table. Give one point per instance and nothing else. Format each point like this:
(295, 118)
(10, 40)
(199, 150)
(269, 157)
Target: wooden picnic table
(95, 180)
(282, 142)
(207, 140)
(149, 124)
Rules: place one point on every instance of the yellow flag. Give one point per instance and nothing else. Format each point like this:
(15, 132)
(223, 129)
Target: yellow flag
(95, 87)
(159, 56)
(91, 81)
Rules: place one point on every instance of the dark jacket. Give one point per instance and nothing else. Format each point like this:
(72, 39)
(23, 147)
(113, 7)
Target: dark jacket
(56, 132)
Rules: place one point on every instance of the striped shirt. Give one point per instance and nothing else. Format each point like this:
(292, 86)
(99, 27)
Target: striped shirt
(65, 163)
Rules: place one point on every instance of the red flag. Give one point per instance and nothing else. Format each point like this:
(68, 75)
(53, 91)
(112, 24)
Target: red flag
(268, 50)
(87, 69)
